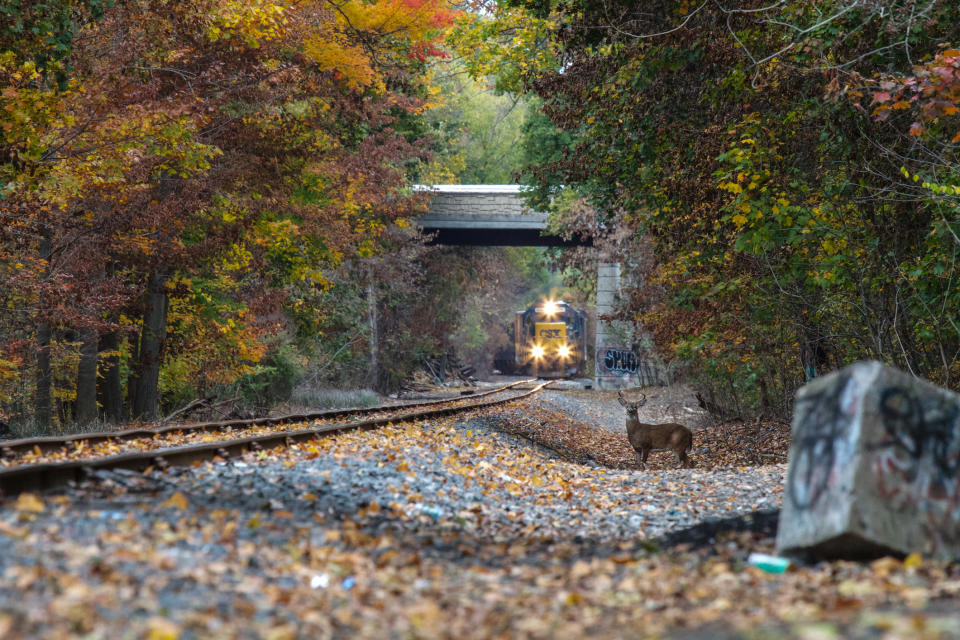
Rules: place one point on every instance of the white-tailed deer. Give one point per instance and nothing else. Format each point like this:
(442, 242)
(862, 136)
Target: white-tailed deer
(645, 437)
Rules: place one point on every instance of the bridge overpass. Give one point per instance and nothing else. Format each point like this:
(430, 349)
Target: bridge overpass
(495, 215)
(487, 215)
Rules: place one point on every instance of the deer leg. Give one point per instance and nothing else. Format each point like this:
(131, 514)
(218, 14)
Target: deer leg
(682, 457)
(646, 454)
(640, 461)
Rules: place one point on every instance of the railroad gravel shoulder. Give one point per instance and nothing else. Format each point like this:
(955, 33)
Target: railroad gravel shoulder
(447, 529)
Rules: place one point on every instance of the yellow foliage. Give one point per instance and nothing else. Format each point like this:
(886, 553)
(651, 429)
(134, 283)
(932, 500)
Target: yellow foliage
(253, 22)
(332, 50)
(732, 187)
(176, 501)
(162, 629)
(217, 343)
(9, 377)
(334, 45)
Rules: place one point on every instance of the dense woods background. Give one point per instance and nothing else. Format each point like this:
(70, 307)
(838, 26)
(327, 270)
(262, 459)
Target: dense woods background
(211, 200)
(783, 175)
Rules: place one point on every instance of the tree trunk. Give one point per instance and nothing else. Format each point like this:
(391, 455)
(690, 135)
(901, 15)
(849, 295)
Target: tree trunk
(43, 410)
(374, 338)
(152, 336)
(109, 389)
(814, 357)
(132, 381)
(43, 407)
(86, 406)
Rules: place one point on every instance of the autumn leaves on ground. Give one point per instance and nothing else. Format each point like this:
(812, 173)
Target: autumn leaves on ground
(442, 529)
(730, 444)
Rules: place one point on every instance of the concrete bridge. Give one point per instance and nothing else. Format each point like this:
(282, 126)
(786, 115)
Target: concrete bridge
(495, 215)
(487, 215)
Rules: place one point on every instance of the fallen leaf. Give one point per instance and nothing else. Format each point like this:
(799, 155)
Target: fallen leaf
(29, 502)
(13, 532)
(177, 501)
(162, 629)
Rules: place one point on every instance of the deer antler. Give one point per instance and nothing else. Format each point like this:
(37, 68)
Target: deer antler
(631, 405)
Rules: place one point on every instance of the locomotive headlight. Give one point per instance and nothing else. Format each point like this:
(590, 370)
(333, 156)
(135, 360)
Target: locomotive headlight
(537, 352)
(549, 307)
(563, 351)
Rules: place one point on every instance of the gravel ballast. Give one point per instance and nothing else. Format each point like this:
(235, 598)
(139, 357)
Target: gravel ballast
(448, 528)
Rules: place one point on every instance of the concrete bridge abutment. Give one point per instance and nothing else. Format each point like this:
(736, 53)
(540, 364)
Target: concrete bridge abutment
(621, 359)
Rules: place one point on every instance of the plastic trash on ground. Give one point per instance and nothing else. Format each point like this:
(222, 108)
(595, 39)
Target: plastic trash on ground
(768, 563)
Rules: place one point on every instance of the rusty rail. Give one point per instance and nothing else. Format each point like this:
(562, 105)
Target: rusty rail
(41, 477)
(47, 444)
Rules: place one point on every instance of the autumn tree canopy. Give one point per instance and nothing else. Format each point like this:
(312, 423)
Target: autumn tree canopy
(182, 180)
(786, 170)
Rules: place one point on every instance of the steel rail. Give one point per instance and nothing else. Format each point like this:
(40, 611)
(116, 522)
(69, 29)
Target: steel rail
(45, 476)
(47, 444)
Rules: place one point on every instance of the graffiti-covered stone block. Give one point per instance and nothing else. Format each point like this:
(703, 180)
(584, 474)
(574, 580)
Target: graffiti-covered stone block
(874, 467)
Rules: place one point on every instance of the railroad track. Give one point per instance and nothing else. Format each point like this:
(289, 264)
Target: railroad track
(25, 466)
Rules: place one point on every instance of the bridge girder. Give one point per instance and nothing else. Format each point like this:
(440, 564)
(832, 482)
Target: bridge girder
(487, 237)
(487, 215)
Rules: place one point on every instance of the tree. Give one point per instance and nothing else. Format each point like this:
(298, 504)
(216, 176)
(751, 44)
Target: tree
(782, 246)
(482, 129)
(209, 170)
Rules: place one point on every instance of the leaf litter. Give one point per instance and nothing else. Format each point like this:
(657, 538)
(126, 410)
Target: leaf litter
(441, 529)
(721, 446)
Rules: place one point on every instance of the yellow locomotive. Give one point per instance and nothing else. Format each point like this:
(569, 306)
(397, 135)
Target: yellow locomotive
(550, 340)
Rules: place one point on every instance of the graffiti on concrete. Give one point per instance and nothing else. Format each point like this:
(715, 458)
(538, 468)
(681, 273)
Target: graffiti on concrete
(824, 443)
(617, 360)
(918, 461)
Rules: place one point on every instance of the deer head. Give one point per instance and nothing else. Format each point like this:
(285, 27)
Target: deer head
(634, 405)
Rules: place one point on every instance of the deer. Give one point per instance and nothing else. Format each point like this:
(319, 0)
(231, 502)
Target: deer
(645, 437)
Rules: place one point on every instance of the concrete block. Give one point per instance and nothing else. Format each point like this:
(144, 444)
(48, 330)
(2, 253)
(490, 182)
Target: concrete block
(606, 300)
(874, 467)
(608, 270)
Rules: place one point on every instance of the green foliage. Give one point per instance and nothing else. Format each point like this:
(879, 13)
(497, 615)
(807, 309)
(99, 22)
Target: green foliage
(319, 399)
(504, 43)
(785, 240)
(44, 30)
(480, 131)
(470, 333)
(272, 380)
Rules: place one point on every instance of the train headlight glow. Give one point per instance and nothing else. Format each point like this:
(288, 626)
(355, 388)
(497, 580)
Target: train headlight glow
(549, 307)
(537, 352)
(563, 351)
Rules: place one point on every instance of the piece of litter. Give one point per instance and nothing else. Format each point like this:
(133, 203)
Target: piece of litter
(768, 563)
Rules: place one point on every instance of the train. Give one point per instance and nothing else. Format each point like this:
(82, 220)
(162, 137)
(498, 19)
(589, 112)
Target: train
(550, 340)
